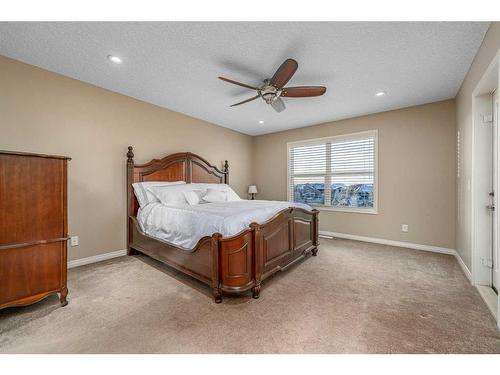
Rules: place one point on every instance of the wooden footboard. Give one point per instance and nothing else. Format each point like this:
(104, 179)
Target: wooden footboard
(283, 240)
(291, 235)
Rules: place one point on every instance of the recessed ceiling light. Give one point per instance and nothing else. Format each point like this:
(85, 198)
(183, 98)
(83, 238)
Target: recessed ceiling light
(261, 121)
(114, 59)
(380, 93)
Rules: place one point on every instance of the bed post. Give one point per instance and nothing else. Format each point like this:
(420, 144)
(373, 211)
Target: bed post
(130, 198)
(258, 258)
(314, 251)
(214, 249)
(226, 172)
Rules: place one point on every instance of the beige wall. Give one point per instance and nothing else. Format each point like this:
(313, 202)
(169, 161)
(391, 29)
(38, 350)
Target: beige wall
(416, 173)
(47, 113)
(487, 51)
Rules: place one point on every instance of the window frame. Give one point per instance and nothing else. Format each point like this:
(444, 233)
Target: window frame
(341, 137)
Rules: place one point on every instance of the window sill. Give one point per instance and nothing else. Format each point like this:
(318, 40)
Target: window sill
(371, 211)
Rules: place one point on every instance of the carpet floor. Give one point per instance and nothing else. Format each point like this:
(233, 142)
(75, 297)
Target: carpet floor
(354, 297)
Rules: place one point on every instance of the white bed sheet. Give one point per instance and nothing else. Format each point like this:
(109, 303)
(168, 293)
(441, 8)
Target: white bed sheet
(185, 225)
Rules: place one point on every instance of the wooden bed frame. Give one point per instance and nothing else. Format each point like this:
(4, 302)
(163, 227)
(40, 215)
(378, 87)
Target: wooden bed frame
(227, 264)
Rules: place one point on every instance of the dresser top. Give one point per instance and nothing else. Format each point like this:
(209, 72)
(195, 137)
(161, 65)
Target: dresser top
(19, 153)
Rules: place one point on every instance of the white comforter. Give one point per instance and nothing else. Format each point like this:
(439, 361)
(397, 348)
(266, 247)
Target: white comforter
(185, 225)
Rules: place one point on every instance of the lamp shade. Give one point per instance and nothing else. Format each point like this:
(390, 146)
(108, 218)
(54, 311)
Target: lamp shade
(252, 189)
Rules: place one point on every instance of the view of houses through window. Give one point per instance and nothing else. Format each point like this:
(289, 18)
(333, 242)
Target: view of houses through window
(337, 172)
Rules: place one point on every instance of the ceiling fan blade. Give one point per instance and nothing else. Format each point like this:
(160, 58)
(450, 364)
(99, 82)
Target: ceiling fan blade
(278, 105)
(284, 73)
(303, 91)
(238, 83)
(246, 101)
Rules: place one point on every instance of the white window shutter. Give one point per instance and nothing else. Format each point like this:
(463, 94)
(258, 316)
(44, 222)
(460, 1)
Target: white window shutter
(337, 172)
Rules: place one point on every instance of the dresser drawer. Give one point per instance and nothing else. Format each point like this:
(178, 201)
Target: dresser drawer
(32, 271)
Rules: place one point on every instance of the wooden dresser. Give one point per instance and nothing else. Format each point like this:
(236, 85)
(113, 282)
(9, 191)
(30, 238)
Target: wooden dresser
(33, 227)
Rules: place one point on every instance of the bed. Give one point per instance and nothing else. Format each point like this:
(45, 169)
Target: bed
(227, 264)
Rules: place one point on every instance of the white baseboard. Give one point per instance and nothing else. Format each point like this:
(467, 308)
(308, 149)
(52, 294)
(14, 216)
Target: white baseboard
(96, 258)
(408, 245)
(490, 298)
(464, 267)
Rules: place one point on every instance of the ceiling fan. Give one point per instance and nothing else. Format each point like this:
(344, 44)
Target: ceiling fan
(273, 89)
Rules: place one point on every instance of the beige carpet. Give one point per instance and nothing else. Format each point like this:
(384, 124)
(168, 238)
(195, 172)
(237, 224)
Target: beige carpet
(353, 298)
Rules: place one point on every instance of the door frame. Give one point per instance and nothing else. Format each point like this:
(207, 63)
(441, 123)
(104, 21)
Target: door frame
(496, 253)
(489, 81)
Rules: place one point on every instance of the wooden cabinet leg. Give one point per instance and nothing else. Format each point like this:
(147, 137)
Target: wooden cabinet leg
(217, 295)
(314, 251)
(62, 297)
(256, 291)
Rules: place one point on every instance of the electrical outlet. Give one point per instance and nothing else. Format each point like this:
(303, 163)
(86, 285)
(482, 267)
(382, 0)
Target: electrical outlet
(74, 240)
(404, 227)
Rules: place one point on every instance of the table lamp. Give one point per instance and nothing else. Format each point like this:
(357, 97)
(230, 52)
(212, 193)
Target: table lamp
(252, 190)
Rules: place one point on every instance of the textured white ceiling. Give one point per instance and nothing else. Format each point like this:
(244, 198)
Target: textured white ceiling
(175, 65)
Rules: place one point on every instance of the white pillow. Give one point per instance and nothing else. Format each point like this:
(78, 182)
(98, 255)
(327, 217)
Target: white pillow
(171, 195)
(230, 193)
(215, 195)
(193, 197)
(145, 196)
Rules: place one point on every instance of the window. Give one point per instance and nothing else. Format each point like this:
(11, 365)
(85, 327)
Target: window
(335, 173)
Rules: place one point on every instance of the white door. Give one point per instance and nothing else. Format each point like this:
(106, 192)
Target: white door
(483, 190)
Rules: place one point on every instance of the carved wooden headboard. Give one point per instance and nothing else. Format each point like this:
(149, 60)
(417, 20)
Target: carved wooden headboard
(183, 166)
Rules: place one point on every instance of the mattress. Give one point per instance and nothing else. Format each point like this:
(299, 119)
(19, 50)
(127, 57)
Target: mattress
(185, 225)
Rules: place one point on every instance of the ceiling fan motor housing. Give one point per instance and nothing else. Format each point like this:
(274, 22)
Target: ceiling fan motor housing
(269, 93)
